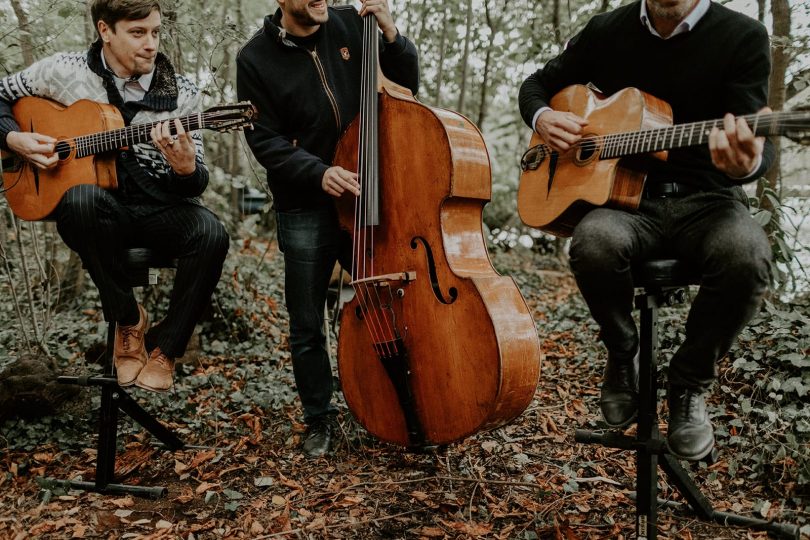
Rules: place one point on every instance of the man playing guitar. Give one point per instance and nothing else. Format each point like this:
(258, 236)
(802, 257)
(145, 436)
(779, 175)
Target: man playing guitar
(706, 61)
(155, 205)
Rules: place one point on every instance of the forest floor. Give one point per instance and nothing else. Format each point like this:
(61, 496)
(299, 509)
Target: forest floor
(244, 475)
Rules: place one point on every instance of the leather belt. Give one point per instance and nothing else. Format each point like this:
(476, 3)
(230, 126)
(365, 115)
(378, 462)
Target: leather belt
(662, 190)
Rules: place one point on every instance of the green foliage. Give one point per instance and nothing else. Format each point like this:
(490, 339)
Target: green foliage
(771, 377)
(774, 216)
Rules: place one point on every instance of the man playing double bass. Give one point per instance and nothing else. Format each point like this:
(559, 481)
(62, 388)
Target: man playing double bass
(155, 205)
(302, 70)
(706, 61)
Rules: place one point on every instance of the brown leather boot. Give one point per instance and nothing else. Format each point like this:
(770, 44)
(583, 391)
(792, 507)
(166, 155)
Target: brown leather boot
(129, 352)
(156, 375)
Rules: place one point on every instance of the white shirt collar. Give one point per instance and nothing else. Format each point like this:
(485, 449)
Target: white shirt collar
(684, 26)
(133, 86)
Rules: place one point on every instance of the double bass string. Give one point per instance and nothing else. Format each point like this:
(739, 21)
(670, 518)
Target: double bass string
(367, 294)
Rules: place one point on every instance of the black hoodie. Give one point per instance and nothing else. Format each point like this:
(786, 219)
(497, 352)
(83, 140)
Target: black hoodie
(306, 99)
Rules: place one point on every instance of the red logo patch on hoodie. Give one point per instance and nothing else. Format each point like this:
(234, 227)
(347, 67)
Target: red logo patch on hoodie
(344, 52)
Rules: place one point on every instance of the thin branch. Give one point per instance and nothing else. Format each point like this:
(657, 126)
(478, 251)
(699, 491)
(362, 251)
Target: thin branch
(339, 525)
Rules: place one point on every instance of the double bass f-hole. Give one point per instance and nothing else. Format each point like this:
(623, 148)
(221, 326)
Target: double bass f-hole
(434, 278)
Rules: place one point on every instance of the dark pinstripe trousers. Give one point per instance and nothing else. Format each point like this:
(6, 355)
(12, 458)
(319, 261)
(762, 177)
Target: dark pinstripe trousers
(97, 226)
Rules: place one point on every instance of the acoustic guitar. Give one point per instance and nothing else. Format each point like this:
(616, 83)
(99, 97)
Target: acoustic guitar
(88, 135)
(602, 168)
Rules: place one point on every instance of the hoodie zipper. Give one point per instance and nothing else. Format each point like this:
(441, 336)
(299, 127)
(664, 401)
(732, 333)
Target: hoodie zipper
(329, 94)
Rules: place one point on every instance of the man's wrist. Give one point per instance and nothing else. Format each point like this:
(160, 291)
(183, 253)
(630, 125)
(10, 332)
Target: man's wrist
(390, 36)
(182, 174)
(757, 165)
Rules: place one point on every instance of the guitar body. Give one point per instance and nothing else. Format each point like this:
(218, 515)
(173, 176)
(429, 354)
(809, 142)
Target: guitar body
(33, 193)
(88, 134)
(557, 194)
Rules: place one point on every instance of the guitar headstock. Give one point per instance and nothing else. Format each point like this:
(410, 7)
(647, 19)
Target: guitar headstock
(230, 117)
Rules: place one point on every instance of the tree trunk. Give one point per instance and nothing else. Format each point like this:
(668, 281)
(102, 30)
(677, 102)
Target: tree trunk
(493, 25)
(465, 59)
(26, 45)
(28, 389)
(761, 5)
(442, 49)
(555, 21)
(780, 10)
(72, 282)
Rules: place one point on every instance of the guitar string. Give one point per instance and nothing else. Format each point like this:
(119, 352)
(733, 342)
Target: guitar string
(114, 139)
(636, 139)
(120, 137)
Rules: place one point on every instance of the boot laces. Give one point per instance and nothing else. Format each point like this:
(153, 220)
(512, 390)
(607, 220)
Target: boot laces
(127, 333)
(688, 402)
(162, 360)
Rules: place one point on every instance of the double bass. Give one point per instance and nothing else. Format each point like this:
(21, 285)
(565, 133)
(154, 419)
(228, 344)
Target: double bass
(435, 345)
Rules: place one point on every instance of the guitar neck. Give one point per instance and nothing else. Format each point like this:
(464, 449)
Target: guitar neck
(105, 141)
(681, 135)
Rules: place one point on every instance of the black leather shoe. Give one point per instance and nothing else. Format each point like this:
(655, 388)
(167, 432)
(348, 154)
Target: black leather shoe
(690, 435)
(619, 397)
(320, 435)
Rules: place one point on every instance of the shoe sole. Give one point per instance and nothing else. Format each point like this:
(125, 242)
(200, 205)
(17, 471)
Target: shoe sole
(624, 424)
(149, 388)
(695, 457)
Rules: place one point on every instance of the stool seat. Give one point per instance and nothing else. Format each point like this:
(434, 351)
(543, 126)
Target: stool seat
(140, 265)
(664, 273)
(140, 257)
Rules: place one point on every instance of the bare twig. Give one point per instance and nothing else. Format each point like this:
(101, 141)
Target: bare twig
(340, 525)
(14, 296)
(26, 277)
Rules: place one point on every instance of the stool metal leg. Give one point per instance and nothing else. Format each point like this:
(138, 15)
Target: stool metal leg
(651, 450)
(113, 399)
(647, 457)
(108, 420)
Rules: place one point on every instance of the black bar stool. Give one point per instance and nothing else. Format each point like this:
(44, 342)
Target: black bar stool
(663, 283)
(141, 265)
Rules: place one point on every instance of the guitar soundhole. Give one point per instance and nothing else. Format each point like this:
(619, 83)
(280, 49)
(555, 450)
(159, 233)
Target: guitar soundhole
(62, 149)
(587, 149)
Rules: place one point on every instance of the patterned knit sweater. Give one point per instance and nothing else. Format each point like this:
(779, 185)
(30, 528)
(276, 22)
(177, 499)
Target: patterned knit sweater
(69, 77)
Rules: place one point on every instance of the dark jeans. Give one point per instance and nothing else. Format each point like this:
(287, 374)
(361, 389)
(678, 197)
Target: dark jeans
(712, 231)
(97, 226)
(311, 241)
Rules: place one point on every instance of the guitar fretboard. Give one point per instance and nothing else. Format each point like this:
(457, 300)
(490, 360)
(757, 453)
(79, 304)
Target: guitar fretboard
(95, 143)
(681, 135)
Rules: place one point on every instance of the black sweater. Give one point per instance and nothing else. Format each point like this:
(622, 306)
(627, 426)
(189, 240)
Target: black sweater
(307, 100)
(720, 66)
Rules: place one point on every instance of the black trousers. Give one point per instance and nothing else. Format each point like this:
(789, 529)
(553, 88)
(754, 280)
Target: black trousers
(97, 226)
(714, 232)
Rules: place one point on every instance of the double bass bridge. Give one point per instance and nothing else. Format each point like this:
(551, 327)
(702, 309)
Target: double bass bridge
(386, 280)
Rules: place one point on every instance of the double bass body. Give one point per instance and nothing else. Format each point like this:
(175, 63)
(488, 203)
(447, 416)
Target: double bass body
(455, 349)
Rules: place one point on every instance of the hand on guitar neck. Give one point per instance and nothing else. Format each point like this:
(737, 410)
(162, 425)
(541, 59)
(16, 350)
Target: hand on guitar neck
(179, 149)
(33, 147)
(735, 150)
